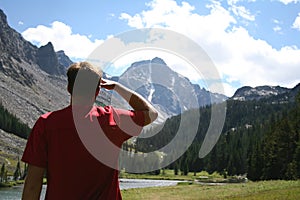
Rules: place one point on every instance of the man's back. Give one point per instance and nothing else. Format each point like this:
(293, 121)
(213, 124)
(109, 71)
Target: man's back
(73, 173)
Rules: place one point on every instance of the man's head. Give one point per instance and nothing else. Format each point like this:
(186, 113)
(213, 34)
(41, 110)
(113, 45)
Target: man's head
(83, 80)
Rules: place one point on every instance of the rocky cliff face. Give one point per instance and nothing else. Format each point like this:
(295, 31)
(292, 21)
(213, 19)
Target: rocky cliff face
(48, 61)
(63, 60)
(13, 45)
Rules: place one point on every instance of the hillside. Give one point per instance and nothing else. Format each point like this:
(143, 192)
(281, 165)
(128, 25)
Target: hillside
(11, 149)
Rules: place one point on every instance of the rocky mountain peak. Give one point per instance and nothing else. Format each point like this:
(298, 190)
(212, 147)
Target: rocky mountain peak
(158, 60)
(171, 92)
(48, 61)
(256, 93)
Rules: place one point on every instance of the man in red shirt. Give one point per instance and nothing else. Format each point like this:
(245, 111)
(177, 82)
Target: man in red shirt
(78, 146)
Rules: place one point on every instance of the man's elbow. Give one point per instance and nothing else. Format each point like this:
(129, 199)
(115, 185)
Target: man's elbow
(150, 116)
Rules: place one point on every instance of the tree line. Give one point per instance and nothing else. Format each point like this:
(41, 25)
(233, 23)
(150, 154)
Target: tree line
(260, 139)
(10, 123)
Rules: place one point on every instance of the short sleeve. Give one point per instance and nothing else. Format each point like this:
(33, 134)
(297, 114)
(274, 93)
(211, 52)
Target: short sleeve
(35, 152)
(129, 121)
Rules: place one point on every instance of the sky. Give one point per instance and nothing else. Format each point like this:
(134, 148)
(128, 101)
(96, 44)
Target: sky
(251, 42)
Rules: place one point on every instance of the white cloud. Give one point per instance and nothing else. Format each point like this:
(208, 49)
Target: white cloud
(238, 56)
(286, 2)
(232, 2)
(296, 24)
(20, 23)
(277, 29)
(75, 45)
(135, 21)
(241, 11)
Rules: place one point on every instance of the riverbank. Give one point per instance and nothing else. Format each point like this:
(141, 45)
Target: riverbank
(169, 175)
(263, 190)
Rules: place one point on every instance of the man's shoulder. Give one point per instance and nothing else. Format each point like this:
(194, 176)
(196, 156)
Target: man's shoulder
(103, 109)
(56, 112)
(46, 115)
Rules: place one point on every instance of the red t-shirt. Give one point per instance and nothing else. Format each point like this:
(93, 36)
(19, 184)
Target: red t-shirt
(73, 169)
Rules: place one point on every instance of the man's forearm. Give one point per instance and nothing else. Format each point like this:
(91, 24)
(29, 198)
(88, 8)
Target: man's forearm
(33, 183)
(137, 102)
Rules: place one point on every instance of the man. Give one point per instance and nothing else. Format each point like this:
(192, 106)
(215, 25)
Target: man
(77, 147)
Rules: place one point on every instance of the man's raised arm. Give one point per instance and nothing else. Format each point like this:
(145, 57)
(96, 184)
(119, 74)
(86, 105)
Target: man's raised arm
(135, 100)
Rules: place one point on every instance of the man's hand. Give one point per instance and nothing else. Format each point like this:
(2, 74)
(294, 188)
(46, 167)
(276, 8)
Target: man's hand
(107, 84)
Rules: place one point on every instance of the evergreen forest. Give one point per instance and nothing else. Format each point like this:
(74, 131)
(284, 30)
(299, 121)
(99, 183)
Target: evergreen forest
(260, 140)
(11, 124)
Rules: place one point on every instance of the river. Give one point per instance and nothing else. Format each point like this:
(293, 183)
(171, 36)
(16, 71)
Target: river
(14, 193)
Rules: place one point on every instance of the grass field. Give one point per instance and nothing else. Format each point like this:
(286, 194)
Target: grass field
(264, 190)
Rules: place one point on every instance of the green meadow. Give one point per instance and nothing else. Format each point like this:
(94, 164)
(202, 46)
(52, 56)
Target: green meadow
(263, 190)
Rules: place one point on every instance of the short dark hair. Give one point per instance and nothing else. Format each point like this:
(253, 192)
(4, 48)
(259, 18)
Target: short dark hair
(88, 72)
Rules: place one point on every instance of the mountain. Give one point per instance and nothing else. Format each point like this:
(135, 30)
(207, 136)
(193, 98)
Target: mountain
(31, 78)
(169, 91)
(48, 61)
(294, 91)
(247, 93)
(33, 81)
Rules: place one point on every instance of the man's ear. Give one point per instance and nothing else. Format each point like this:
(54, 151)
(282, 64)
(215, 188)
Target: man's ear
(97, 91)
(69, 89)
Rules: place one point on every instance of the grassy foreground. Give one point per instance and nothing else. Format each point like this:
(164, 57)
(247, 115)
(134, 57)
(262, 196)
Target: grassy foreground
(288, 190)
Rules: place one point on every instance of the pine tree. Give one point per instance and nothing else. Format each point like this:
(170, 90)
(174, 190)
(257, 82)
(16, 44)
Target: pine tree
(24, 174)
(3, 173)
(17, 173)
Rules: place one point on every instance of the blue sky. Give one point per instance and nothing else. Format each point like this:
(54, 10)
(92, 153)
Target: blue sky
(252, 42)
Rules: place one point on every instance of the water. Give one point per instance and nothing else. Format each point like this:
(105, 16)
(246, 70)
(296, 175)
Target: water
(142, 183)
(15, 193)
